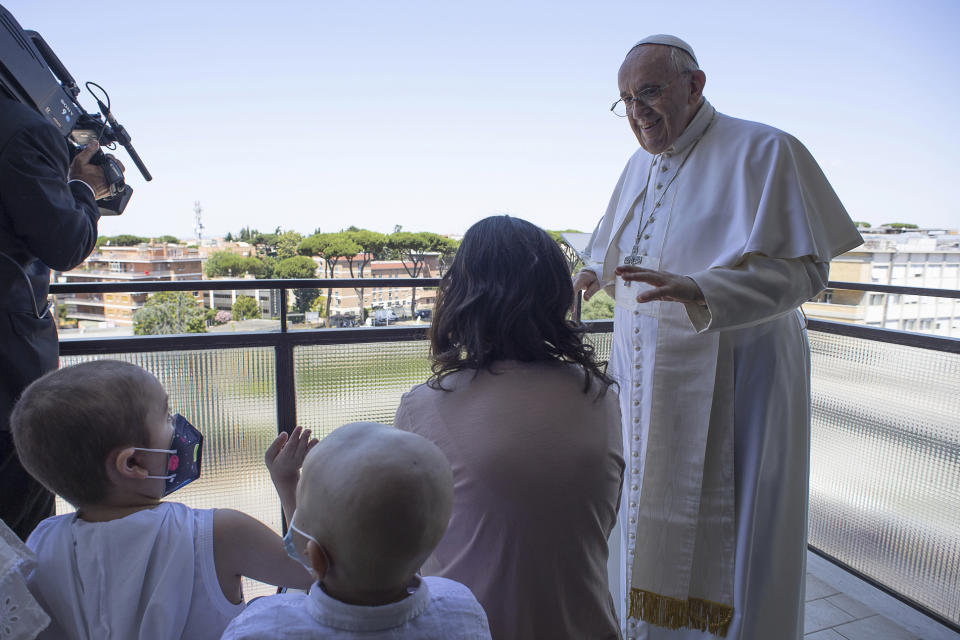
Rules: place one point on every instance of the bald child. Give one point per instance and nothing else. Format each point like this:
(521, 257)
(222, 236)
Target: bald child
(372, 502)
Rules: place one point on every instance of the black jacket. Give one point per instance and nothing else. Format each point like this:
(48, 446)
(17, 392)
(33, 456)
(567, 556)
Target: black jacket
(45, 224)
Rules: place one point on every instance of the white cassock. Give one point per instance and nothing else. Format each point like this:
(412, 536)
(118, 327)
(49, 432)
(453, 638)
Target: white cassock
(715, 399)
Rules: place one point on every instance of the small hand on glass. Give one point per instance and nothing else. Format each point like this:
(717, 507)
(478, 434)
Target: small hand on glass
(285, 455)
(667, 286)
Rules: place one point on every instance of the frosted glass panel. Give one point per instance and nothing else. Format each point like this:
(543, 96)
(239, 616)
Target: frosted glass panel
(344, 383)
(601, 343)
(230, 396)
(885, 465)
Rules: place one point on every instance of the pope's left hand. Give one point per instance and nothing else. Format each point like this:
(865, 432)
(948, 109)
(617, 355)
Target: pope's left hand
(667, 286)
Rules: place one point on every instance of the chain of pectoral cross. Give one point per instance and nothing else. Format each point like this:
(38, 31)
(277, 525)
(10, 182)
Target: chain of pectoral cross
(634, 258)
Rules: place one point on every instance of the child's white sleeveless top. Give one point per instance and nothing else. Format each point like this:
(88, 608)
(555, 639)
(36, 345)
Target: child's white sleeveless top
(148, 576)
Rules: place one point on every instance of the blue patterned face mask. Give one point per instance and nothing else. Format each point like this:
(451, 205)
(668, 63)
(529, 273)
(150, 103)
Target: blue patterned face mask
(183, 466)
(292, 550)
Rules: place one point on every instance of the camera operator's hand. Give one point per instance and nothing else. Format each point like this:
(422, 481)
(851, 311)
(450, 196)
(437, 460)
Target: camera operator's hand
(91, 174)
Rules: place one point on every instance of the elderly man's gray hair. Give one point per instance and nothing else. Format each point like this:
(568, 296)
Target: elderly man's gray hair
(681, 62)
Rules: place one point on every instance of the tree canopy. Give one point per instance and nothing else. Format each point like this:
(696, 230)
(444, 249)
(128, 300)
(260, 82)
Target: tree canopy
(245, 307)
(286, 244)
(226, 264)
(599, 307)
(573, 260)
(900, 225)
(294, 268)
(169, 312)
(122, 240)
(129, 240)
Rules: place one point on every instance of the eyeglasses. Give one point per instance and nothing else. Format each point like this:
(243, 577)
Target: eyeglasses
(648, 97)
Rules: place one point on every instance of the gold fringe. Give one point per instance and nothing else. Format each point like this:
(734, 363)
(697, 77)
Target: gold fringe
(671, 613)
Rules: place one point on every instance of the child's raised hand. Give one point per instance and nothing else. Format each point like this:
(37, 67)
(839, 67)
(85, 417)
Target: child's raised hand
(285, 455)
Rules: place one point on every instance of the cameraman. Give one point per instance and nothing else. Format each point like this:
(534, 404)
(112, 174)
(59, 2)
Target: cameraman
(48, 220)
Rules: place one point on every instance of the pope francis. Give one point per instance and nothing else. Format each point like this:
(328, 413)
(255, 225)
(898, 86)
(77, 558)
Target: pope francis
(717, 231)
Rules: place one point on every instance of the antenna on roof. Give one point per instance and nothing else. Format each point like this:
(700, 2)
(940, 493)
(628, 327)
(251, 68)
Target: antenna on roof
(197, 224)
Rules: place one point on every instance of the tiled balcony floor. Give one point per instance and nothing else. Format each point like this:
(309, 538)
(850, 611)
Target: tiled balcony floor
(840, 606)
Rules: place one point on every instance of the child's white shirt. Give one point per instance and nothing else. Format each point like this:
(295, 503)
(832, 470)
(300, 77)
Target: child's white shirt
(147, 576)
(437, 609)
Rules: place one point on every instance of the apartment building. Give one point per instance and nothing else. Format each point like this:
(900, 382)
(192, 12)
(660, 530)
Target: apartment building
(383, 296)
(923, 258)
(267, 299)
(127, 264)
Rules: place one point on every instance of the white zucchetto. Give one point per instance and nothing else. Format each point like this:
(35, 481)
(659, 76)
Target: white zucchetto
(670, 41)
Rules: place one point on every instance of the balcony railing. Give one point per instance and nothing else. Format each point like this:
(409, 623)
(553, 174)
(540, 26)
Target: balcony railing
(885, 453)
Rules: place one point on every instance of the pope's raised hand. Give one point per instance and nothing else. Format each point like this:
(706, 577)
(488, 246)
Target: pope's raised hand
(667, 286)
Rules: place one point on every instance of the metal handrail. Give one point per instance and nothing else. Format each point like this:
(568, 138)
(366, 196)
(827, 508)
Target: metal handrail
(345, 283)
(245, 284)
(889, 288)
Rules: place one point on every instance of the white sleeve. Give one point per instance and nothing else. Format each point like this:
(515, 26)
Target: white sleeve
(755, 291)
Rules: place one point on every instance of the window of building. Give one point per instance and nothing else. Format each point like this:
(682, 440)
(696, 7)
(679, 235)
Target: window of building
(876, 299)
(880, 273)
(950, 275)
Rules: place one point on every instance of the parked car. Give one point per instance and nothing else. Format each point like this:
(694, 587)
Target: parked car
(383, 317)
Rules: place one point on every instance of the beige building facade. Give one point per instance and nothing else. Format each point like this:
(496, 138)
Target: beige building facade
(914, 259)
(127, 264)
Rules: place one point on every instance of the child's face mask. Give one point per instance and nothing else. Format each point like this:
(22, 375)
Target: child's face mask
(185, 452)
(291, 549)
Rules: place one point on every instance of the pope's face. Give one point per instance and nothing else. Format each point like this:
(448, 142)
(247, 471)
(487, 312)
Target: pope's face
(659, 122)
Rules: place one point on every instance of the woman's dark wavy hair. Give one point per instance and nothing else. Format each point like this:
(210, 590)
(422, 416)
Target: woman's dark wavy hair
(505, 297)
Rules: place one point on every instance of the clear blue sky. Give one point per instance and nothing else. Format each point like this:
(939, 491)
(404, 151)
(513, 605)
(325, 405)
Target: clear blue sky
(431, 115)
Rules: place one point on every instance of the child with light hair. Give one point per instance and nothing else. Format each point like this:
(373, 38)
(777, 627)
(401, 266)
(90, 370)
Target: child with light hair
(127, 565)
(371, 504)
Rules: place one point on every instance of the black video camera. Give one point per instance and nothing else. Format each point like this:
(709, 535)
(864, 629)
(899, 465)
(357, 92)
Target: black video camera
(31, 73)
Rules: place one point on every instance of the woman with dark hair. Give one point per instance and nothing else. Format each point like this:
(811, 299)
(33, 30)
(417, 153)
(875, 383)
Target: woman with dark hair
(531, 426)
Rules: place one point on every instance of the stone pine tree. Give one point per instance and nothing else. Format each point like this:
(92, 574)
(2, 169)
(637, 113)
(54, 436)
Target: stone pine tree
(412, 250)
(299, 267)
(447, 248)
(372, 245)
(332, 247)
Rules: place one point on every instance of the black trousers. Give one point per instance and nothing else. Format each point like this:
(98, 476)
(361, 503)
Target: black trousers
(28, 349)
(25, 501)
